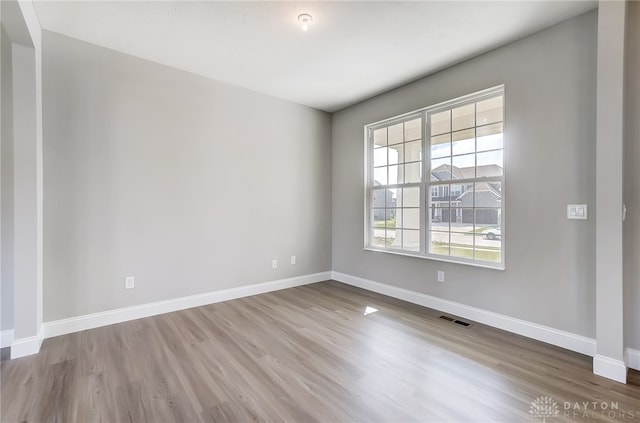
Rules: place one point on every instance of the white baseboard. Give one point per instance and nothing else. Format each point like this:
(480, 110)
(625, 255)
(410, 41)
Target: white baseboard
(542, 333)
(27, 346)
(632, 358)
(94, 320)
(610, 368)
(6, 338)
(570, 341)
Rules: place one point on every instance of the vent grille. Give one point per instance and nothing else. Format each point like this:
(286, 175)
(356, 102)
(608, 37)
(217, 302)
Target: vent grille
(456, 321)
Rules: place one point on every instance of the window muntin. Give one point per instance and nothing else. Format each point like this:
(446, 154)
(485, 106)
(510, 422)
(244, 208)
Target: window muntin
(461, 218)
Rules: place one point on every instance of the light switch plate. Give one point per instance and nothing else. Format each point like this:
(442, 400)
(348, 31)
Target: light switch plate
(577, 211)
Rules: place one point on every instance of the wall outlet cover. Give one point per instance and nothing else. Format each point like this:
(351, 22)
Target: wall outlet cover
(129, 282)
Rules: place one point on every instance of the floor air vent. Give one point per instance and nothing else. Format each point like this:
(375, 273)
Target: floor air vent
(459, 322)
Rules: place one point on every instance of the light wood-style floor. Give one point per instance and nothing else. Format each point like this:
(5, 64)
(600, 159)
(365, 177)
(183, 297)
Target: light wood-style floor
(306, 354)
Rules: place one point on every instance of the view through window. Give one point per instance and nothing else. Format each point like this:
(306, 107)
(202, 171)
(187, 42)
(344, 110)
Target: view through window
(456, 213)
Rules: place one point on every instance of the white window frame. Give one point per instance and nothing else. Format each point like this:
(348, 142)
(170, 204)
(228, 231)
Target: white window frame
(426, 185)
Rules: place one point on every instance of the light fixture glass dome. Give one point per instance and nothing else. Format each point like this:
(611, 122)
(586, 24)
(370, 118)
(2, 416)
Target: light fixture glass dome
(305, 19)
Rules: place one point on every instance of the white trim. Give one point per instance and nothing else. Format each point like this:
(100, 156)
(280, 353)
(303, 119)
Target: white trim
(27, 346)
(94, 320)
(570, 341)
(632, 358)
(446, 259)
(610, 368)
(6, 338)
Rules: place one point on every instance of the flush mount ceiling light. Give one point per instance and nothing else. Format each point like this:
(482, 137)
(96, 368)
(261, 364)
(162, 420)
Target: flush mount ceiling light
(305, 19)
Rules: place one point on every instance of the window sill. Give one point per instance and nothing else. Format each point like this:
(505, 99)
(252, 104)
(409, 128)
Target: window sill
(497, 266)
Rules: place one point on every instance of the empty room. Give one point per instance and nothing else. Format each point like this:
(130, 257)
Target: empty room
(333, 211)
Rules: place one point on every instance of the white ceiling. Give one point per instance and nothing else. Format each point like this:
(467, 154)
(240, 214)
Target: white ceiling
(352, 51)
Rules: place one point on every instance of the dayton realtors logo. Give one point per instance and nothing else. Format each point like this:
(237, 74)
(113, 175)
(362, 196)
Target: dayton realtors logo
(593, 409)
(545, 407)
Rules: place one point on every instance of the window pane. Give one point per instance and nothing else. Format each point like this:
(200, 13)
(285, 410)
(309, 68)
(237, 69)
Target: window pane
(413, 130)
(378, 240)
(489, 111)
(394, 238)
(379, 231)
(380, 175)
(378, 216)
(488, 194)
(490, 163)
(411, 197)
(441, 146)
(411, 240)
(439, 218)
(464, 166)
(488, 218)
(456, 212)
(392, 198)
(488, 244)
(411, 218)
(456, 191)
(396, 175)
(439, 243)
(380, 137)
(413, 172)
(463, 117)
(396, 154)
(489, 137)
(439, 195)
(489, 254)
(397, 203)
(378, 198)
(396, 134)
(413, 151)
(380, 157)
(464, 141)
(462, 245)
(440, 123)
(390, 217)
(463, 220)
(441, 169)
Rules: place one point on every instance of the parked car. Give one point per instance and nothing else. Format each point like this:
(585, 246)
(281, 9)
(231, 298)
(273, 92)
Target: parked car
(492, 233)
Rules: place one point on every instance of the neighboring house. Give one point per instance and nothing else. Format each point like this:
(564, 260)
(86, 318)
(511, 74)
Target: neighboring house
(380, 201)
(460, 196)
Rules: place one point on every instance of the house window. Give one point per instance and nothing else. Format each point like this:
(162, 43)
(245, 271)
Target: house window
(462, 218)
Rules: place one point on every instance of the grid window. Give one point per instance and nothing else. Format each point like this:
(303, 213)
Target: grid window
(459, 145)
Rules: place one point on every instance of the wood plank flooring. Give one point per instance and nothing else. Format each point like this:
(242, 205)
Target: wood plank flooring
(306, 354)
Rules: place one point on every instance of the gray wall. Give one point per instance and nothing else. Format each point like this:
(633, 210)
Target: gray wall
(6, 178)
(188, 184)
(632, 178)
(550, 81)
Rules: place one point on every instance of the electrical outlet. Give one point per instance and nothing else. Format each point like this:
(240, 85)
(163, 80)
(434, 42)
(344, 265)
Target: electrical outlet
(293, 259)
(129, 282)
(440, 276)
(274, 264)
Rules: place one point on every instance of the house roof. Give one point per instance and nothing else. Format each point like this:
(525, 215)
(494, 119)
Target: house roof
(467, 172)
